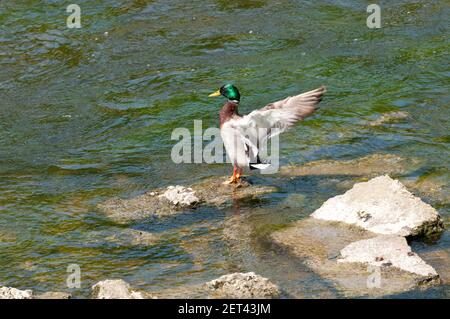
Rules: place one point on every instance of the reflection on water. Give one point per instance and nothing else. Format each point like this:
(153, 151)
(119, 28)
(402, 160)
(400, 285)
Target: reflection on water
(87, 115)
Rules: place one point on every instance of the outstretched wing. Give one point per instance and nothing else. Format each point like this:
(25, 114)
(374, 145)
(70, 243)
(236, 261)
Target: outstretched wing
(285, 113)
(278, 116)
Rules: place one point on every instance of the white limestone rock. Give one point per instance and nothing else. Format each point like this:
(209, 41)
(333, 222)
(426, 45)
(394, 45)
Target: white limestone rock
(114, 289)
(386, 251)
(242, 286)
(180, 196)
(350, 258)
(384, 206)
(13, 293)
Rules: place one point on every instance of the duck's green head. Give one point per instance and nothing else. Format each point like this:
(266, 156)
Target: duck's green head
(229, 91)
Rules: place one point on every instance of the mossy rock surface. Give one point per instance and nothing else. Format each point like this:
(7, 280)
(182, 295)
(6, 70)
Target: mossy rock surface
(210, 192)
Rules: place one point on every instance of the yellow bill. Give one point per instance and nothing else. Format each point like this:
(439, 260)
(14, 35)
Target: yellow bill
(217, 93)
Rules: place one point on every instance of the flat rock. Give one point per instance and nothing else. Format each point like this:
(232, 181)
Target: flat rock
(384, 206)
(319, 244)
(114, 289)
(13, 293)
(368, 166)
(387, 249)
(242, 286)
(175, 199)
(54, 295)
(216, 193)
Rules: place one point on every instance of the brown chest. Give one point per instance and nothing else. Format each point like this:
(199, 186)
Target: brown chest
(229, 111)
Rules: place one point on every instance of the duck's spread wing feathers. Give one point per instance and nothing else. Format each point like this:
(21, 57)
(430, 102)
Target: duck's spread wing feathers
(283, 114)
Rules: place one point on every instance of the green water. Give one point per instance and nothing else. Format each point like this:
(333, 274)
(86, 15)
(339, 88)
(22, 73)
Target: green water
(86, 116)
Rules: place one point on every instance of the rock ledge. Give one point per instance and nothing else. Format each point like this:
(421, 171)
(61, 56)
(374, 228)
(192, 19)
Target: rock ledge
(386, 251)
(384, 206)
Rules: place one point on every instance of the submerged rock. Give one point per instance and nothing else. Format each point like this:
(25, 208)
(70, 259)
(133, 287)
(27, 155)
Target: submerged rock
(369, 166)
(435, 187)
(133, 237)
(387, 250)
(215, 193)
(440, 260)
(242, 286)
(384, 206)
(122, 237)
(328, 247)
(174, 199)
(140, 207)
(390, 117)
(237, 231)
(114, 289)
(13, 293)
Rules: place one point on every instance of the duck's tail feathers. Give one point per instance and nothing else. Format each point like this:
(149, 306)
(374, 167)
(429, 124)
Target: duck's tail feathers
(259, 165)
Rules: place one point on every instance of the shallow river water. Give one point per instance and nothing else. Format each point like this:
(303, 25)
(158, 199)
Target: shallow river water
(87, 114)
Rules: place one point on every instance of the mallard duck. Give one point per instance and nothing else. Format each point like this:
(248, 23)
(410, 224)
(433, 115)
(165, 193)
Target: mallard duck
(275, 118)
